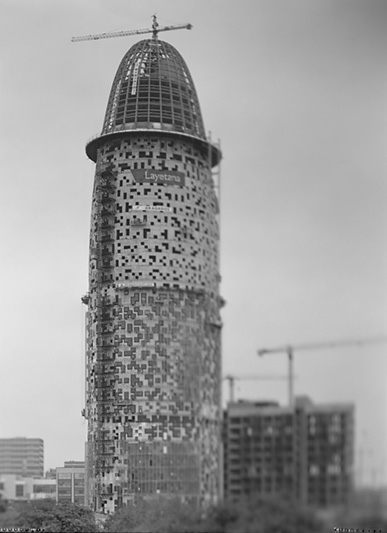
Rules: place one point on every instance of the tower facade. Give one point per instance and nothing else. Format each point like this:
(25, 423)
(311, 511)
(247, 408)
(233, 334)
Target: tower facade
(153, 387)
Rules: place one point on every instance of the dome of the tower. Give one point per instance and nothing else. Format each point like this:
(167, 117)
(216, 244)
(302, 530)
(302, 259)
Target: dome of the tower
(152, 90)
(153, 86)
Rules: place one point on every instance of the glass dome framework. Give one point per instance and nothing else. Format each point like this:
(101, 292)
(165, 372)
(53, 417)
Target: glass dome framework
(153, 91)
(153, 86)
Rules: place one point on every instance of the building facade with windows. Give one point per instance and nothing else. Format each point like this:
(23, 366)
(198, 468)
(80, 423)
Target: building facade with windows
(22, 456)
(259, 449)
(70, 482)
(325, 461)
(153, 391)
(303, 454)
(17, 488)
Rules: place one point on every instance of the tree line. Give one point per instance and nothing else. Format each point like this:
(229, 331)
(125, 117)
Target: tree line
(251, 515)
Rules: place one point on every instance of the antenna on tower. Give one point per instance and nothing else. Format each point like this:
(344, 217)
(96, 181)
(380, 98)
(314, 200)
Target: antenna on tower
(154, 31)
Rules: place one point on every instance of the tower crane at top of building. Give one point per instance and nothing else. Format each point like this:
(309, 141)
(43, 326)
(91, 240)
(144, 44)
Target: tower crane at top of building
(289, 350)
(154, 30)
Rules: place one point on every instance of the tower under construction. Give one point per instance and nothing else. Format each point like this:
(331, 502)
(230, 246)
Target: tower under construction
(153, 360)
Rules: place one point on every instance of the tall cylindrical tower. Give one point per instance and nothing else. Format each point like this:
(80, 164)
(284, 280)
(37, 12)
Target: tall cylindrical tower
(153, 389)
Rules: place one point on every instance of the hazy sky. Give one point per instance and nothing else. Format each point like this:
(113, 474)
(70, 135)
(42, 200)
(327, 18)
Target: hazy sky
(296, 92)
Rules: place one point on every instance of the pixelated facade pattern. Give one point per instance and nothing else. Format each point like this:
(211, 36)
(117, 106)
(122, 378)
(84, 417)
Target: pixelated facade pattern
(303, 454)
(153, 398)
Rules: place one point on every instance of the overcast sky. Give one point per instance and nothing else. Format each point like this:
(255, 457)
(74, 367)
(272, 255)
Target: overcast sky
(296, 92)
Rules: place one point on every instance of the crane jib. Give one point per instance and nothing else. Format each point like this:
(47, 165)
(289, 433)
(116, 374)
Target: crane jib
(125, 33)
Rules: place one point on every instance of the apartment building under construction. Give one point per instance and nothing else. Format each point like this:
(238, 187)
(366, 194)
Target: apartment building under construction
(305, 453)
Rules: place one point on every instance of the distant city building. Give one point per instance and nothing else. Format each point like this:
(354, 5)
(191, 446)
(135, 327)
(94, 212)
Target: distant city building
(70, 481)
(305, 454)
(22, 456)
(15, 488)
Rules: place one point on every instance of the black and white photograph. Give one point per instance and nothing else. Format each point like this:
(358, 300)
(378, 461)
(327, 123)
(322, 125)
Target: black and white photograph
(194, 266)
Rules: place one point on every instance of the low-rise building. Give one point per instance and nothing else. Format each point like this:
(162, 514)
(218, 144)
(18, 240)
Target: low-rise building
(70, 480)
(17, 488)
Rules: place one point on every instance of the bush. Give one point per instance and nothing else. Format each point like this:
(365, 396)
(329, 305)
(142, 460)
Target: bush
(8, 518)
(253, 515)
(3, 504)
(163, 515)
(261, 515)
(56, 517)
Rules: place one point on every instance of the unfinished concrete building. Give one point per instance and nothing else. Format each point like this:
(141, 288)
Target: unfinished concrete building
(304, 454)
(153, 398)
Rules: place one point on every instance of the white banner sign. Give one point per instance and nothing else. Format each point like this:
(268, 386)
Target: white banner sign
(159, 208)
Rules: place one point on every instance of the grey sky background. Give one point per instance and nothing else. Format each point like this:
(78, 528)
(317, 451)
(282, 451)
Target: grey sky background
(296, 92)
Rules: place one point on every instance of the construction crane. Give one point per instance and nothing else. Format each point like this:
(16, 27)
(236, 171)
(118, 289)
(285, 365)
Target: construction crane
(289, 350)
(154, 30)
(231, 381)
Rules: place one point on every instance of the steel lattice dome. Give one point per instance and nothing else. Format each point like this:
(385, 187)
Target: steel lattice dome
(153, 91)
(153, 85)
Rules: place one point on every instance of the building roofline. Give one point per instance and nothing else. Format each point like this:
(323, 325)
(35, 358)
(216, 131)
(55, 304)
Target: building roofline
(245, 407)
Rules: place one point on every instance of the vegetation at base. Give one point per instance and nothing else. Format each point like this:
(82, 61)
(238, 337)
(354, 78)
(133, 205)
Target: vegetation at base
(3, 504)
(55, 517)
(361, 520)
(8, 514)
(252, 515)
(162, 515)
(255, 515)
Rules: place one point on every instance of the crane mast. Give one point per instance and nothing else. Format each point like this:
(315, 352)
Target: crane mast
(289, 350)
(231, 382)
(154, 30)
